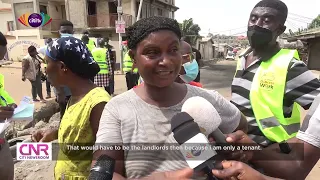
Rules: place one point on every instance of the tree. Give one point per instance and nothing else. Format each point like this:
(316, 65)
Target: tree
(315, 23)
(190, 30)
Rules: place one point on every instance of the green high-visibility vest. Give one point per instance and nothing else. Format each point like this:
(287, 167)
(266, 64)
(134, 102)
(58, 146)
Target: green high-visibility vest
(266, 97)
(4, 94)
(100, 56)
(90, 47)
(91, 42)
(127, 64)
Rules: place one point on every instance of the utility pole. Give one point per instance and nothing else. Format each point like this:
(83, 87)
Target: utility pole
(120, 37)
(139, 10)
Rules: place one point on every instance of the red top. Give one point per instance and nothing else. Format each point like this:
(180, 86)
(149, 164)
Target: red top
(191, 83)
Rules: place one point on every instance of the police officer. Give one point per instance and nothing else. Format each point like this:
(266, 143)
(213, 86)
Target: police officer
(7, 106)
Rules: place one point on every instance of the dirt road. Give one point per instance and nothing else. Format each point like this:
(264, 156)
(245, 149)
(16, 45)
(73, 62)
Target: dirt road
(213, 76)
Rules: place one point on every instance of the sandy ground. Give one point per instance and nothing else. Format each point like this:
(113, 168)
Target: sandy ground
(216, 76)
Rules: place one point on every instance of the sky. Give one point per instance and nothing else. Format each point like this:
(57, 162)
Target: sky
(230, 17)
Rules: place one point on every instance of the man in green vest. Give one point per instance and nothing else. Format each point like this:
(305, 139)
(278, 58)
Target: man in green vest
(132, 76)
(85, 40)
(99, 54)
(7, 106)
(91, 42)
(111, 55)
(271, 83)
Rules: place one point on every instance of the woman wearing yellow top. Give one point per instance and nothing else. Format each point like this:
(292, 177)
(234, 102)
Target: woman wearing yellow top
(71, 64)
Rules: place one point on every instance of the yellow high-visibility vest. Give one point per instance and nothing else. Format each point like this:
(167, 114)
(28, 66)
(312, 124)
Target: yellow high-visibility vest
(127, 64)
(266, 97)
(90, 47)
(100, 56)
(91, 42)
(5, 99)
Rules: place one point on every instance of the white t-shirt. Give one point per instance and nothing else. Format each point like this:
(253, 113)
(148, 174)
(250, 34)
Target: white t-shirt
(310, 129)
(127, 119)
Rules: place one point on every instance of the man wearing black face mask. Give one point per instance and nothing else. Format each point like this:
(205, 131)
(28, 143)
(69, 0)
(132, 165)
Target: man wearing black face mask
(271, 83)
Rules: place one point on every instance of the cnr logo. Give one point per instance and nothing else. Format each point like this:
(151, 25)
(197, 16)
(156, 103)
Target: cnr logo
(34, 151)
(34, 20)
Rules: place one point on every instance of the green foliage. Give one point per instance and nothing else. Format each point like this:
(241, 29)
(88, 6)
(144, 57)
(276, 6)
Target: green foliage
(190, 30)
(315, 23)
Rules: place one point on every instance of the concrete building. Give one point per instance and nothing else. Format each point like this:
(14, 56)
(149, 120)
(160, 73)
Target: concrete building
(96, 16)
(6, 20)
(55, 9)
(311, 40)
(99, 16)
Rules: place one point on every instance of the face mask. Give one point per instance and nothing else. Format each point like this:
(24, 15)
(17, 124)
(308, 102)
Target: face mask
(259, 37)
(191, 69)
(65, 35)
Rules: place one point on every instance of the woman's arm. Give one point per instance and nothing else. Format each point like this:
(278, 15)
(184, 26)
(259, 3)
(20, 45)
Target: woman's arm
(95, 117)
(106, 126)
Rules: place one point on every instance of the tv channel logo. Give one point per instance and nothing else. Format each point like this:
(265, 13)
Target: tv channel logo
(34, 151)
(35, 20)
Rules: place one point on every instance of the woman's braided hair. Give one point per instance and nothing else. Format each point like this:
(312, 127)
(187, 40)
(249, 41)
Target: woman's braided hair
(141, 29)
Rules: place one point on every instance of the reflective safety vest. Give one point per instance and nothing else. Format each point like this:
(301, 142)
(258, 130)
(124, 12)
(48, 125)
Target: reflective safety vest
(91, 42)
(266, 98)
(5, 97)
(100, 56)
(90, 47)
(127, 64)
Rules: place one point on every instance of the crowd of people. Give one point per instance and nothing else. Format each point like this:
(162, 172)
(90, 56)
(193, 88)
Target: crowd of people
(162, 71)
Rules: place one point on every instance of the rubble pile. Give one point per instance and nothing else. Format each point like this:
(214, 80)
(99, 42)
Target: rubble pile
(47, 117)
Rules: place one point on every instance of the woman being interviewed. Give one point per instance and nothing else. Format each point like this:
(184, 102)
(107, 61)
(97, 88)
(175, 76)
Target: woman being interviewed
(143, 114)
(71, 64)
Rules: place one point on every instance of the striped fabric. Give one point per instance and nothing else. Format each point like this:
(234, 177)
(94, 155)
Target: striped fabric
(129, 119)
(301, 86)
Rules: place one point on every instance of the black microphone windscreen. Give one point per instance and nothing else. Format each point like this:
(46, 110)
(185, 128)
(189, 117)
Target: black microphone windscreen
(179, 119)
(183, 127)
(103, 169)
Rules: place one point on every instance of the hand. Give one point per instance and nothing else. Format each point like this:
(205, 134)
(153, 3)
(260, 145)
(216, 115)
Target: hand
(44, 136)
(238, 170)
(6, 112)
(23, 78)
(183, 174)
(240, 138)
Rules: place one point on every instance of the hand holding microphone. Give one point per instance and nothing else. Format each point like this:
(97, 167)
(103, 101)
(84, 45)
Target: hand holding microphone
(238, 170)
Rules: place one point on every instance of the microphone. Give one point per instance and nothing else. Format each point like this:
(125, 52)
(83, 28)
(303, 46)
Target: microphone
(206, 116)
(198, 154)
(103, 169)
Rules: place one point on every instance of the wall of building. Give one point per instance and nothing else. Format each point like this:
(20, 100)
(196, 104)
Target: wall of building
(20, 9)
(77, 13)
(55, 10)
(314, 54)
(17, 49)
(5, 17)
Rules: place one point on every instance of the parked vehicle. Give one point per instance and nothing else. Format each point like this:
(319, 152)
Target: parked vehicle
(230, 56)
